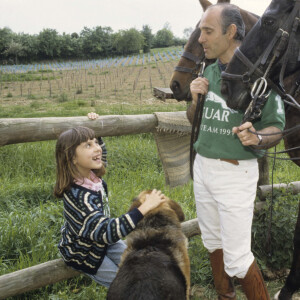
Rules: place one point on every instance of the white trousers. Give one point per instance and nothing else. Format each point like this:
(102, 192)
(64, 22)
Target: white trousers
(225, 195)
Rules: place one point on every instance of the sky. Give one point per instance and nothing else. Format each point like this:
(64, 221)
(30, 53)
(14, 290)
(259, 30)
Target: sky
(32, 16)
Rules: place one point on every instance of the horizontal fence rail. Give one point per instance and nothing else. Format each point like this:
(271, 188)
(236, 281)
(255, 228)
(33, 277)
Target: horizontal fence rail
(21, 130)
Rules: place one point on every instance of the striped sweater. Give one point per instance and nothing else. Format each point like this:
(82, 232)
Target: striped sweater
(87, 230)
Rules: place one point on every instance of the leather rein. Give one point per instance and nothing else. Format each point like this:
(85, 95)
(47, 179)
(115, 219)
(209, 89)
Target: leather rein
(196, 72)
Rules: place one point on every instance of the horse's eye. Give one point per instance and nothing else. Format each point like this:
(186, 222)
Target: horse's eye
(268, 21)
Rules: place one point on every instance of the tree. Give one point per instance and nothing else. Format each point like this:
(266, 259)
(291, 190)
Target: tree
(187, 32)
(6, 36)
(164, 38)
(15, 50)
(66, 46)
(97, 41)
(74, 35)
(179, 42)
(30, 46)
(167, 26)
(77, 47)
(49, 44)
(148, 38)
(128, 41)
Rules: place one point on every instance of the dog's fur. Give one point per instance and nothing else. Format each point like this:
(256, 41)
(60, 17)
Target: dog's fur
(155, 265)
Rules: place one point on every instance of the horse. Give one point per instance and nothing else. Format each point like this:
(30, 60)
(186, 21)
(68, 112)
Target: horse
(269, 58)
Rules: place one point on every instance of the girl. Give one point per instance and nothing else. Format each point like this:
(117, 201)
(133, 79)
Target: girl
(91, 240)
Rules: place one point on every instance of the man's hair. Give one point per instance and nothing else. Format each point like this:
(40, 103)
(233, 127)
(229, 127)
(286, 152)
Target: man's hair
(230, 14)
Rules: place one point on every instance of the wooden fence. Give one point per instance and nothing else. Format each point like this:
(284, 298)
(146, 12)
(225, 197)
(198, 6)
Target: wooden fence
(23, 130)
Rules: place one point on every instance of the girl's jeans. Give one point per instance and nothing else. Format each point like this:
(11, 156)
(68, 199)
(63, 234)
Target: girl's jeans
(109, 267)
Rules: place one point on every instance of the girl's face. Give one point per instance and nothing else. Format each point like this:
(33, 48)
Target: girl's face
(87, 157)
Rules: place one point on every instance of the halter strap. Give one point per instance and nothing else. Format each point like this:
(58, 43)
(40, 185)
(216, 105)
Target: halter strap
(185, 69)
(190, 56)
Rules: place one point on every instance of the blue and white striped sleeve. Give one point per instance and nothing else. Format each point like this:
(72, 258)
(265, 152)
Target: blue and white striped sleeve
(104, 150)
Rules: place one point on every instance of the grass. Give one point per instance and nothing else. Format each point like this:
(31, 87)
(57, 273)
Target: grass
(65, 107)
(29, 76)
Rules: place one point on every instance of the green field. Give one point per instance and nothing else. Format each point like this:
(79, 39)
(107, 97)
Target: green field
(31, 218)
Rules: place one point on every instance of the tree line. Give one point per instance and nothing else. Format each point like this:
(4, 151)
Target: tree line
(98, 42)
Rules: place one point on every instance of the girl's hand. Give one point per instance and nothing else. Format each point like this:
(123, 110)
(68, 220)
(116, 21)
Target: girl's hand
(152, 201)
(93, 116)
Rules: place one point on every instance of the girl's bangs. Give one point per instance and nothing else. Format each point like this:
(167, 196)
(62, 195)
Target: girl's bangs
(83, 134)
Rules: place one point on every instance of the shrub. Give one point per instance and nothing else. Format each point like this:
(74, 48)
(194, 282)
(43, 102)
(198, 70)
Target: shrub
(31, 97)
(284, 211)
(34, 105)
(63, 97)
(79, 91)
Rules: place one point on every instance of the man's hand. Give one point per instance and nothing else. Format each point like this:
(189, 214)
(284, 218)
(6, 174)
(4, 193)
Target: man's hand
(198, 86)
(246, 137)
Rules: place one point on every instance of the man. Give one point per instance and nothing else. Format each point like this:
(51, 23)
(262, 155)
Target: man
(225, 168)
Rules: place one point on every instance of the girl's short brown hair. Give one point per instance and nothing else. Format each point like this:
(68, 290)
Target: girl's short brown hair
(65, 151)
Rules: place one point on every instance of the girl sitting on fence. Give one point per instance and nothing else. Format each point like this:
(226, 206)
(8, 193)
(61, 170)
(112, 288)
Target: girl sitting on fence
(91, 240)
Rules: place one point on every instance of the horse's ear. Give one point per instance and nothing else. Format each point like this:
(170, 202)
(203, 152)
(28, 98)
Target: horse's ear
(205, 4)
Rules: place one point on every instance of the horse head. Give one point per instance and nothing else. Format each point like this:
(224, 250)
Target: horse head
(189, 64)
(187, 68)
(270, 50)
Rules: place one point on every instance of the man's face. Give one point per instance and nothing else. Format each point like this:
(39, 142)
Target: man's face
(214, 42)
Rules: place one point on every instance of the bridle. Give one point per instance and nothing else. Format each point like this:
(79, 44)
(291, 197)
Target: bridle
(197, 60)
(280, 46)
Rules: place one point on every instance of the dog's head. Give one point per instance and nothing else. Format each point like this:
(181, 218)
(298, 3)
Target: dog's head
(170, 205)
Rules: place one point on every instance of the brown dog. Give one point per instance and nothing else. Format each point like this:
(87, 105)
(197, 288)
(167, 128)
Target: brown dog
(155, 265)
